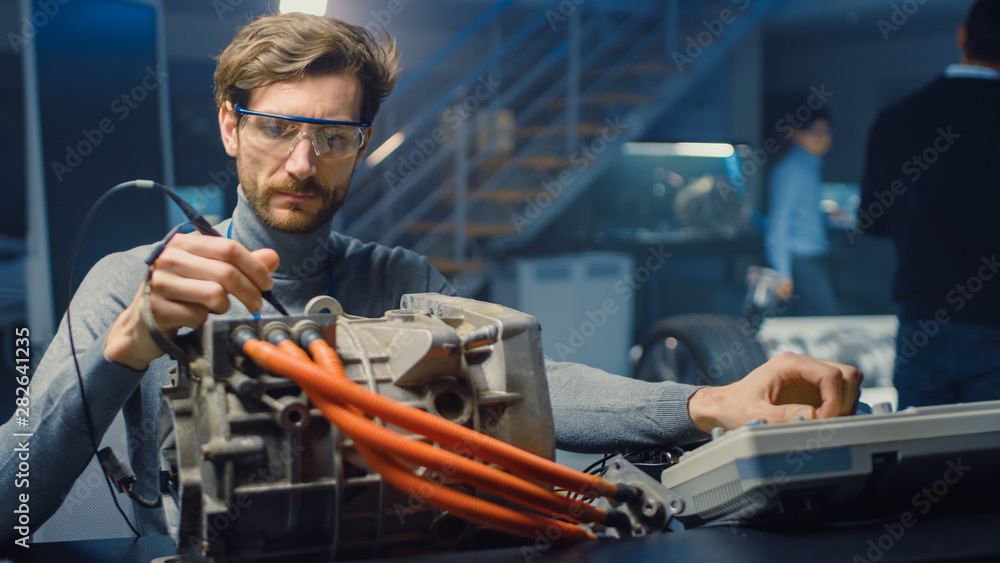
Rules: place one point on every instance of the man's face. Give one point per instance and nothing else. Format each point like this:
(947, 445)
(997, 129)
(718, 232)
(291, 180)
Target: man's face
(296, 192)
(817, 138)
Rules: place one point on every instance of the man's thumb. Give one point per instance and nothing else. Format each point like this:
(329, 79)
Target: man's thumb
(268, 257)
(786, 413)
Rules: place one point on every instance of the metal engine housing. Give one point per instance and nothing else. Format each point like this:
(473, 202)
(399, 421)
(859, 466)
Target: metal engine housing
(256, 473)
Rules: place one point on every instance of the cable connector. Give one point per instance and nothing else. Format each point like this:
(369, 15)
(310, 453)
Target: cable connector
(121, 476)
(628, 493)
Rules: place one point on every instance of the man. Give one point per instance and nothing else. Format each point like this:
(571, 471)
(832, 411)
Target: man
(796, 243)
(931, 185)
(327, 79)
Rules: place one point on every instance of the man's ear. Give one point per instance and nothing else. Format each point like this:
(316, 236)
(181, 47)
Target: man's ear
(227, 128)
(364, 148)
(963, 36)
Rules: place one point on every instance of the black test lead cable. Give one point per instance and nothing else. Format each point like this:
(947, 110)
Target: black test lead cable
(199, 223)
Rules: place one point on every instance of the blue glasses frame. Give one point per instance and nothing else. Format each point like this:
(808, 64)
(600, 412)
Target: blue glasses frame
(244, 111)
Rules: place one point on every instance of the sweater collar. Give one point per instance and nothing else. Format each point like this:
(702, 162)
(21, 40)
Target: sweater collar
(302, 256)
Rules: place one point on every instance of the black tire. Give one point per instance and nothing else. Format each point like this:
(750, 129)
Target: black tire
(699, 349)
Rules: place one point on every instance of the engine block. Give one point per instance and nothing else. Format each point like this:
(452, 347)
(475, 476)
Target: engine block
(252, 470)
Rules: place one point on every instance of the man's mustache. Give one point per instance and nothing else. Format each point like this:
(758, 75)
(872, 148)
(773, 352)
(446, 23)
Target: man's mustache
(308, 187)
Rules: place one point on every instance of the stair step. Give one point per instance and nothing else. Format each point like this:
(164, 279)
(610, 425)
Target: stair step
(475, 230)
(653, 67)
(503, 195)
(450, 266)
(532, 131)
(537, 162)
(609, 98)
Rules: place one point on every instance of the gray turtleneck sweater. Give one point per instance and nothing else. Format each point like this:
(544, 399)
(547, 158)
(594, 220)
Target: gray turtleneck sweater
(593, 411)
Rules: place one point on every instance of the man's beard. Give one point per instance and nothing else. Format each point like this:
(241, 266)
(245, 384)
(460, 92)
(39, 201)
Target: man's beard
(299, 222)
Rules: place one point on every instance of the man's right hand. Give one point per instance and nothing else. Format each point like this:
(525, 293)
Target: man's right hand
(192, 277)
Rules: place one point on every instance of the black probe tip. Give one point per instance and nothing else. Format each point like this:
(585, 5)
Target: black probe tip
(273, 301)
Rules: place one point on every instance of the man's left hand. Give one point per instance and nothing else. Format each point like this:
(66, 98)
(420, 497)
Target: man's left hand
(788, 385)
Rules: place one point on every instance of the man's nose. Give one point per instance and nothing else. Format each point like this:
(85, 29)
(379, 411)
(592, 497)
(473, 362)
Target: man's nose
(301, 161)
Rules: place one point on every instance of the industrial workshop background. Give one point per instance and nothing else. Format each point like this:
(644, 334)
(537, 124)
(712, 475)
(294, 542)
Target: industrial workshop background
(549, 155)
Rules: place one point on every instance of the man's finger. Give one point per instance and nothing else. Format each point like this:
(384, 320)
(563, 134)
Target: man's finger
(225, 250)
(268, 257)
(171, 315)
(787, 413)
(206, 294)
(229, 278)
(826, 376)
(851, 390)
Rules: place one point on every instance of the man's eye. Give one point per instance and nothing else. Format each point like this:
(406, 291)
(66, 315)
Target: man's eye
(334, 135)
(273, 128)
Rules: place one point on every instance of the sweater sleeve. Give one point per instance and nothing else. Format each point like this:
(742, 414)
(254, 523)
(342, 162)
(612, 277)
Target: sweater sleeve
(597, 412)
(56, 440)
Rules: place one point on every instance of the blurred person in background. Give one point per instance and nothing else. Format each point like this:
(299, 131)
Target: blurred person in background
(931, 185)
(795, 241)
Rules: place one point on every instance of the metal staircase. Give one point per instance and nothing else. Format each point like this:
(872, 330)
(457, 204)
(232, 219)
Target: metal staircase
(547, 98)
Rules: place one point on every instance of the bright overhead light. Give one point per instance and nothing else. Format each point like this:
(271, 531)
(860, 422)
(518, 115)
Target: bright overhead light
(716, 150)
(314, 7)
(391, 144)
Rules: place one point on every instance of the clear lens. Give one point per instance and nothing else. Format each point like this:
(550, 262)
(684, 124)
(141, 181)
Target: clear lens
(280, 136)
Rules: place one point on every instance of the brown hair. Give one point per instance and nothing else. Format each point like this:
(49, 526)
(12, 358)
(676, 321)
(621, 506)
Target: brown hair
(280, 47)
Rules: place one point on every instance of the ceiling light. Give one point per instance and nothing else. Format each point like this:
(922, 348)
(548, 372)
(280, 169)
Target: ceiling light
(314, 7)
(716, 150)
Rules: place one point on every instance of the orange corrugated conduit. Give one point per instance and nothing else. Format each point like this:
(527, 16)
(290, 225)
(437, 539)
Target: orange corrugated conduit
(472, 508)
(344, 403)
(460, 504)
(462, 468)
(343, 391)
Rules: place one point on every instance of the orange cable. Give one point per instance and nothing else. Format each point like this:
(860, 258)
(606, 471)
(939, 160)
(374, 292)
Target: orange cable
(471, 508)
(363, 430)
(466, 470)
(479, 511)
(290, 347)
(353, 422)
(438, 429)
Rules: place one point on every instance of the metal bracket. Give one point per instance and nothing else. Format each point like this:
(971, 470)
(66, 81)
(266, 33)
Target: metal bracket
(654, 511)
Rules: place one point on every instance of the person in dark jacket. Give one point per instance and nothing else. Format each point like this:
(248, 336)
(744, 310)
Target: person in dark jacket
(931, 185)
